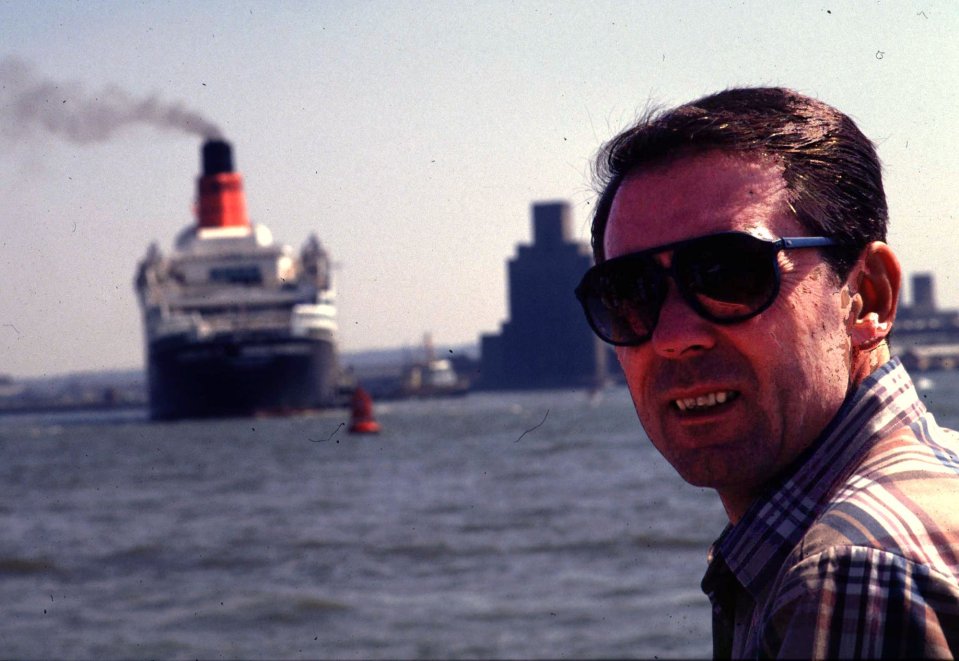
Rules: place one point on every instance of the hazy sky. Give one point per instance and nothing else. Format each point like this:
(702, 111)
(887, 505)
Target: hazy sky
(412, 137)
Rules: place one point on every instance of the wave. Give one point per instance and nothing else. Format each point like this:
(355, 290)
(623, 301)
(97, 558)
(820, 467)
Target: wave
(671, 542)
(291, 610)
(17, 566)
(433, 551)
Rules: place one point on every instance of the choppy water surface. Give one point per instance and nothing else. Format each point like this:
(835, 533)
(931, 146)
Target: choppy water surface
(451, 534)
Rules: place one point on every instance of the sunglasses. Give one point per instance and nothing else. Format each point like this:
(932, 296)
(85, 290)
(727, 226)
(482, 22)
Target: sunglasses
(726, 278)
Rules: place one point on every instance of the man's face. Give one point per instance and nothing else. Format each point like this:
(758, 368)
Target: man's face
(783, 374)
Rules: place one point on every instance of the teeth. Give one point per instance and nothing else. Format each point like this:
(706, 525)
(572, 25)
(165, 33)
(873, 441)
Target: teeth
(703, 401)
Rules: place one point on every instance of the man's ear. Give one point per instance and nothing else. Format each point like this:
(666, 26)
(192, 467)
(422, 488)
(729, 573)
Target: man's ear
(877, 290)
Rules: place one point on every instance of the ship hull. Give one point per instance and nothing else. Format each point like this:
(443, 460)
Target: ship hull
(229, 377)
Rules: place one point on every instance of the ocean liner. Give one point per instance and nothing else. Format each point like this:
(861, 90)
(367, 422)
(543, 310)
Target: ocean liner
(235, 324)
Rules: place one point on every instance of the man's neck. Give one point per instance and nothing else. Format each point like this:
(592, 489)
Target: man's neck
(865, 362)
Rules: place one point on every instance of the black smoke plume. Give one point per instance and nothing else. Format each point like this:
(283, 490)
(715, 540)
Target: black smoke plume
(30, 103)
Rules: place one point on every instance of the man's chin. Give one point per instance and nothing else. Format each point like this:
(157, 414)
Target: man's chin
(717, 467)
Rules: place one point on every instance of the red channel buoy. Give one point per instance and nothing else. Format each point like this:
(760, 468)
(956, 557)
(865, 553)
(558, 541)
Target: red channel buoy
(362, 420)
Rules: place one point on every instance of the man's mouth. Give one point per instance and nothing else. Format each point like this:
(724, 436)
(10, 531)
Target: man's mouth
(704, 402)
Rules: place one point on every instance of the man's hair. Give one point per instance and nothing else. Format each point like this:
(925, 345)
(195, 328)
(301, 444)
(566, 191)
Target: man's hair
(833, 176)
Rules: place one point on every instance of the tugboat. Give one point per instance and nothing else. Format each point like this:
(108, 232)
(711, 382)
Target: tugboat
(431, 376)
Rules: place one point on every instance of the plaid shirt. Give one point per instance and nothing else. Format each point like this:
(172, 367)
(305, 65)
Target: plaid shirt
(854, 552)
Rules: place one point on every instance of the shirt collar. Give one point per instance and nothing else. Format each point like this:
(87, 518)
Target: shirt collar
(755, 548)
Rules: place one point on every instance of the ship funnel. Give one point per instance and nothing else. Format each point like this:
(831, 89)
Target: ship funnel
(217, 157)
(221, 202)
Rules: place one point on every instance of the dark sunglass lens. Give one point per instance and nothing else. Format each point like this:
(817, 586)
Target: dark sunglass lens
(730, 277)
(622, 300)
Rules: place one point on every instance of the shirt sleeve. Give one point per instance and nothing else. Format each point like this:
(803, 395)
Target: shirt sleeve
(856, 602)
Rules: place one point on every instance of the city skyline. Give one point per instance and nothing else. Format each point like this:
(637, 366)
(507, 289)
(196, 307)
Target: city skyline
(412, 138)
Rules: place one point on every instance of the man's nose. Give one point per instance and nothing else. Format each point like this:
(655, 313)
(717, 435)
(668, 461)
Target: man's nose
(680, 330)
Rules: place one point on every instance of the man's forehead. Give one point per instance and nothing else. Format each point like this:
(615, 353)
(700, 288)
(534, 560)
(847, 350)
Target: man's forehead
(696, 195)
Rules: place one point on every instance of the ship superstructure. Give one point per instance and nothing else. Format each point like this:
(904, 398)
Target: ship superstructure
(234, 323)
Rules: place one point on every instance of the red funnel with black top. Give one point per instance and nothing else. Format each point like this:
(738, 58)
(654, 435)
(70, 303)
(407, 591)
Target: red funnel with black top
(221, 202)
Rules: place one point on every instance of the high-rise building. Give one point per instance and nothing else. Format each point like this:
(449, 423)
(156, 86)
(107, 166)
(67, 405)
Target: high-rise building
(923, 294)
(546, 342)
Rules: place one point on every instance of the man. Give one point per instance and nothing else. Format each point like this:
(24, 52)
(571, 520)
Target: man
(743, 275)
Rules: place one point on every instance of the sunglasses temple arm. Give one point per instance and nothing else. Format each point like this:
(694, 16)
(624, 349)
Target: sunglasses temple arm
(806, 242)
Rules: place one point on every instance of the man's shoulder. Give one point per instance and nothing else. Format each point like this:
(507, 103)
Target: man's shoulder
(900, 498)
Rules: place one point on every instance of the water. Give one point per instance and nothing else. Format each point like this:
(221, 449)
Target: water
(496, 525)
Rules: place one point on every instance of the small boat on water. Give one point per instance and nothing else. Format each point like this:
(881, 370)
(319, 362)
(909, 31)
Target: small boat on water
(361, 418)
(431, 376)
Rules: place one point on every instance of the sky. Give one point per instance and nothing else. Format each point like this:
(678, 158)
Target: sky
(411, 137)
